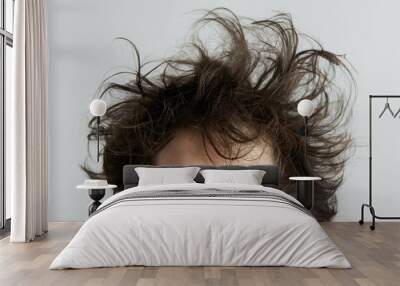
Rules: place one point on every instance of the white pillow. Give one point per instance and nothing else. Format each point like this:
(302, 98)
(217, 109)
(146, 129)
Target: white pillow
(248, 177)
(163, 176)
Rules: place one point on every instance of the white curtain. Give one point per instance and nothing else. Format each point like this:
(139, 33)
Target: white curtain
(26, 127)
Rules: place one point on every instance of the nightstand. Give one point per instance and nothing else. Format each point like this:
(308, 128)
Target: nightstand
(97, 190)
(305, 190)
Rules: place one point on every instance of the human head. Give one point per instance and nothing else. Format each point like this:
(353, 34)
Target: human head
(234, 103)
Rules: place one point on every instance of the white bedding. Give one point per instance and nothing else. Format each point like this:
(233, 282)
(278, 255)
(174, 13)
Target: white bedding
(200, 231)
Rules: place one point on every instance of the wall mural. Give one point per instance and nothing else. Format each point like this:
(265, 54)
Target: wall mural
(233, 100)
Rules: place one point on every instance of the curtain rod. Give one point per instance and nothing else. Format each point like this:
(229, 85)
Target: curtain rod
(384, 96)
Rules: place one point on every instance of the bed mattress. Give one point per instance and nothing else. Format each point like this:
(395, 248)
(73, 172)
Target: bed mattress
(201, 225)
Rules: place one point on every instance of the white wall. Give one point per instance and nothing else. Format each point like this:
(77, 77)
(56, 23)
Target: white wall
(82, 52)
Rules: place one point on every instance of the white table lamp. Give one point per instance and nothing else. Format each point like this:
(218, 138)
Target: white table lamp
(98, 108)
(305, 108)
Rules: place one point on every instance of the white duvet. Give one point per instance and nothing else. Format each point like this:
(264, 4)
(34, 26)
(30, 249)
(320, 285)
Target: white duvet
(200, 231)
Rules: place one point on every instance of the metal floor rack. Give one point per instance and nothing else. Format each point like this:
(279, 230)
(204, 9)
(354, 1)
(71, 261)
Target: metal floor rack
(370, 203)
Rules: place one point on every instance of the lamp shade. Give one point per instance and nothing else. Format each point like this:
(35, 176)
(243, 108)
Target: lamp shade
(98, 107)
(305, 108)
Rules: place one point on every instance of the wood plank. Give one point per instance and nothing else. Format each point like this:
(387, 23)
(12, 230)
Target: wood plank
(375, 257)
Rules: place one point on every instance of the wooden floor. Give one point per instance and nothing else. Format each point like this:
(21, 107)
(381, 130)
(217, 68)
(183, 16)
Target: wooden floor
(375, 257)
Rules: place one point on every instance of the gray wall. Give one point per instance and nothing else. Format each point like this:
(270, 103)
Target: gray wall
(82, 53)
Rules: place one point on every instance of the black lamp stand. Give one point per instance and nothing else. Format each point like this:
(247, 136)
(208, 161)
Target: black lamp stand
(305, 136)
(98, 137)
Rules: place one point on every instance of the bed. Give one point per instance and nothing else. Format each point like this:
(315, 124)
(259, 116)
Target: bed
(201, 224)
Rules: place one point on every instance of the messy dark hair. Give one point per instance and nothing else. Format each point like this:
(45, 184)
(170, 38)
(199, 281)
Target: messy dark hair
(243, 89)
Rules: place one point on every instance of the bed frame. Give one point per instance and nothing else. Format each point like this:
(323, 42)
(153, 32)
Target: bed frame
(271, 177)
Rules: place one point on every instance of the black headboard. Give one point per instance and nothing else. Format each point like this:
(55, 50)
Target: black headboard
(271, 177)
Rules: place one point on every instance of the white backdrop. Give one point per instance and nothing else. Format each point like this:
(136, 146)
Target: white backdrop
(82, 53)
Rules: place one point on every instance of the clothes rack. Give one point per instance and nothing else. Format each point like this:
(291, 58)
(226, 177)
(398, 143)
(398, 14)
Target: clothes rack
(370, 202)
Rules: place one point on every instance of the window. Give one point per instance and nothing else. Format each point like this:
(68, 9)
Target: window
(6, 60)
